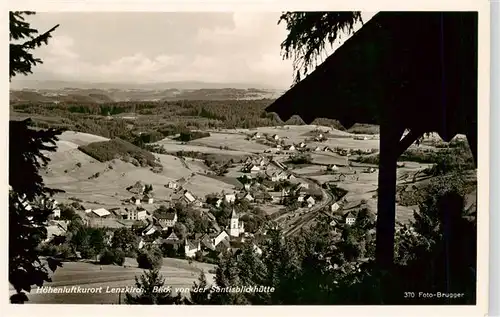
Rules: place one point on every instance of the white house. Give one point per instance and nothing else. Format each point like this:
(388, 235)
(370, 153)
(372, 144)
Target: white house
(350, 218)
(221, 236)
(317, 148)
(88, 211)
(235, 226)
(230, 198)
(255, 169)
(256, 135)
(101, 212)
(302, 145)
(249, 197)
(134, 214)
(310, 201)
(191, 247)
(291, 148)
(304, 185)
(149, 231)
(247, 186)
(334, 207)
(135, 200)
(173, 185)
(218, 203)
(276, 137)
(279, 176)
(167, 219)
(141, 244)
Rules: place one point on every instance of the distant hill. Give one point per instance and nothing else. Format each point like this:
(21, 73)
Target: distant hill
(21, 83)
(94, 95)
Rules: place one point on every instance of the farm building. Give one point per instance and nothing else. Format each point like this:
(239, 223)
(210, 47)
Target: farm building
(101, 212)
(188, 197)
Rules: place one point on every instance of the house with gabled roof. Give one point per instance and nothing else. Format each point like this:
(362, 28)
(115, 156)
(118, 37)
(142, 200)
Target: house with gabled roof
(255, 169)
(172, 237)
(191, 247)
(334, 207)
(310, 201)
(350, 217)
(167, 219)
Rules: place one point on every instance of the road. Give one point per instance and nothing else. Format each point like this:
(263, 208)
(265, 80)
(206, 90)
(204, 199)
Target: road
(311, 213)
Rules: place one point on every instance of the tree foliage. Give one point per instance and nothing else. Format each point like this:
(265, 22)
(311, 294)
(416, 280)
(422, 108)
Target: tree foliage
(151, 258)
(309, 32)
(26, 158)
(23, 40)
(154, 291)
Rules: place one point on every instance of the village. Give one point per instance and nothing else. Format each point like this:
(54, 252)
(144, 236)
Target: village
(273, 192)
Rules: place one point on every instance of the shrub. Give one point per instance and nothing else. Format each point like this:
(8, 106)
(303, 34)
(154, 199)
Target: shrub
(115, 256)
(150, 259)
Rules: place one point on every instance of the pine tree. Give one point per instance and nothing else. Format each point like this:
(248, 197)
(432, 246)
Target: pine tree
(26, 226)
(200, 293)
(154, 291)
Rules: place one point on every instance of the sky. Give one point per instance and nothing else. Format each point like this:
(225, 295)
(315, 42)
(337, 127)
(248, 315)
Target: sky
(147, 47)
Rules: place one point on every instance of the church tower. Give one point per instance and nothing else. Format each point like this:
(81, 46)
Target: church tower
(234, 229)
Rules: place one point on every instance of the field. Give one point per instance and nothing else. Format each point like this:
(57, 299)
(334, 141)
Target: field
(177, 273)
(72, 171)
(75, 172)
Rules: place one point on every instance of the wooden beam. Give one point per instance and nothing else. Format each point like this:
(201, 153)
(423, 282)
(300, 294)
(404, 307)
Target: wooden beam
(390, 137)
